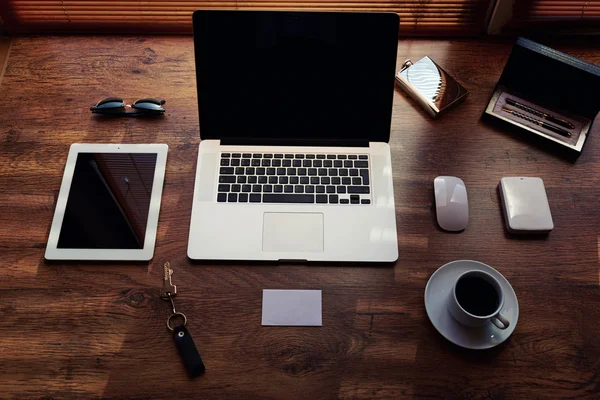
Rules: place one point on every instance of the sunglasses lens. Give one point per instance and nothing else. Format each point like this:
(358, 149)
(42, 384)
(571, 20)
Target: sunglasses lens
(151, 105)
(109, 104)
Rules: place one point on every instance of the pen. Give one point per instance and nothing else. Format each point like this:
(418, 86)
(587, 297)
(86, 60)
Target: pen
(540, 114)
(552, 128)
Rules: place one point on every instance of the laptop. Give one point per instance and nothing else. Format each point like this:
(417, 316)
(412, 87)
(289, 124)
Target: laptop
(295, 113)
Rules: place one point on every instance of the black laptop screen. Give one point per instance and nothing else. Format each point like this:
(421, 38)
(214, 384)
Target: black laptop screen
(295, 76)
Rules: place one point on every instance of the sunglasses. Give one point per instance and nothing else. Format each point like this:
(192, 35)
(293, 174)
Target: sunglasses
(117, 107)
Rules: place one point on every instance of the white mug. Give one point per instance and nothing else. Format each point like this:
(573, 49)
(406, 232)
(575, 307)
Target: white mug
(468, 319)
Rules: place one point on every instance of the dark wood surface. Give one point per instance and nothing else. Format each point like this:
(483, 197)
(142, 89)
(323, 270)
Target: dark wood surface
(97, 330)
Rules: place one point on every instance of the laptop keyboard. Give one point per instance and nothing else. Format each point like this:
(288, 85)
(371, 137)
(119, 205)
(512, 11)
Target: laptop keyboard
(294, 178)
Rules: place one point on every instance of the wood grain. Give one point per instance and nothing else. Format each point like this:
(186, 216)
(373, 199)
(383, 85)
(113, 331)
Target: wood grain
(96, 330)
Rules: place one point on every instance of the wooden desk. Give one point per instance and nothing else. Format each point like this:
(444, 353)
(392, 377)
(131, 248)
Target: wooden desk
(94, 330)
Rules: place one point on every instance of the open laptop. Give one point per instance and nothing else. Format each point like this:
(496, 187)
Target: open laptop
(295, 112)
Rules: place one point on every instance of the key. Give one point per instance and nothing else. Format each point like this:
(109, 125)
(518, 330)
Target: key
(168, 288)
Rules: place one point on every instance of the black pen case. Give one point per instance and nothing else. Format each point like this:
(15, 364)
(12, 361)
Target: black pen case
(548, 96)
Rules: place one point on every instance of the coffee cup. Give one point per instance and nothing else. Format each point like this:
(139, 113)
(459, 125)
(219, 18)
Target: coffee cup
(477, 299)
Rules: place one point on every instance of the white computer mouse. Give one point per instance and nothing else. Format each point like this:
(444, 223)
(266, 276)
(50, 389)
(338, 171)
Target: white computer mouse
(451, 203)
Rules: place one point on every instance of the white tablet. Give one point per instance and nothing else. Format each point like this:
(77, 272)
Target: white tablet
(109, 202)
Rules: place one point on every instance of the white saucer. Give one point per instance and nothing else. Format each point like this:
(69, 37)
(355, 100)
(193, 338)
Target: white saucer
(439, 288)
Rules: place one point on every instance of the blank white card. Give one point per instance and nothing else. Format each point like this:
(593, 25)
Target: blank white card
(292, 307)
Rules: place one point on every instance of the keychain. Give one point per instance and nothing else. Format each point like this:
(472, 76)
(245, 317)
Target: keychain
(183, 340)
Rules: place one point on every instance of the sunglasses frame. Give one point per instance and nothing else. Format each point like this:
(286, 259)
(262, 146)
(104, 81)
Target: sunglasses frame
(119, 109)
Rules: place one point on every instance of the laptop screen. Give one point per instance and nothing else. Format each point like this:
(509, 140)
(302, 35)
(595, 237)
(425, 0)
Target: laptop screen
(304, 77)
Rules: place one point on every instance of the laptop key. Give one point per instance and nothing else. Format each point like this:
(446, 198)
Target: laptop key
(344, 201)
(226, 171)
(246, 155)
(346, 181)
(322, 198)
(304, 180)
(286, 163)
(311, 156)
(260, 171)
(302, 171)
(256, 188)
(227, 179)
(283, 180)
(288, 198)
(317, 163)
(267, 188)
(365, 201)
(256, 155)
(364, 173)
(267, 155)
(297, 163)
(338, 164)
(246, 188)
(363, 157)
(236, 155)
(270, 171)
(341, 157)
(312, 171)
(250, 170)
(354, 172)
(276, 163)
(358, 189)
(320, 156)
(307, 163)
(353, 157)
(222, 197)
(320, 189)
(361, 164)
(333, 199)
(266, 162)
(272, 179)
(323, 171)
(288, 189)
(236, 188)
(294, 180)
(341, 189)
(243, 197)
(224, 188)
(336, 181)
(314, 180)
(330, 189)
(239, 171)
(298, 189)
(255, 162)
(343, 172)
(232, 197)
(328, 163)
(333, 172)
(356, 181)
(235, 162)
(280, 171)
(289, 156)
(278, 189)
(299, 155)
(325, 180)
(278, 155)
(255, 198)
(225, 162)
(225, 155)
(245, 162)
(252, 179)
(290, 171)
(262, 179)
(348, 164)
(354, 199)
(309, 189)
(241, 179)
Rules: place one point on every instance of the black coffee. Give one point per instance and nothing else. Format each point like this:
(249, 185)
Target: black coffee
(477, 296)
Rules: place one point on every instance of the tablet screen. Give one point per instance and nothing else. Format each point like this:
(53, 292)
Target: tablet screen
(108, 201)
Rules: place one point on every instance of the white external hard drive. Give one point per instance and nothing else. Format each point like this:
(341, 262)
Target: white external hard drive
(525, 205)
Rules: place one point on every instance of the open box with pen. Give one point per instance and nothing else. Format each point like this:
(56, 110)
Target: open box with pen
(549, 95)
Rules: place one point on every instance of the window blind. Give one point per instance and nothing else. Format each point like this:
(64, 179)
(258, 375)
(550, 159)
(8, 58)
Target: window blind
(556, 15)
(417, 17)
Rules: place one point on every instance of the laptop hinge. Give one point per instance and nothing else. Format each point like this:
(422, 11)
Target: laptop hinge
(293, 142)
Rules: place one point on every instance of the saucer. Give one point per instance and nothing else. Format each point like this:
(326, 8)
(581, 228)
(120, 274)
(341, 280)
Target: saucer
(439, 288)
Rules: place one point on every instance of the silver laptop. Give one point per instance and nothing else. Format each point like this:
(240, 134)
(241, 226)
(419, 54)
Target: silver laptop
(295, 112)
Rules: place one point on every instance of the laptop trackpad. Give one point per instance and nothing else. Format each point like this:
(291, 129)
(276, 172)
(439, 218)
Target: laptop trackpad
(293, 232)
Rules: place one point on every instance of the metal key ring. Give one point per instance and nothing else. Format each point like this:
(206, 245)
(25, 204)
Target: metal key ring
(174, 315)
